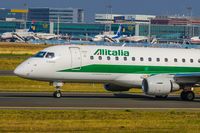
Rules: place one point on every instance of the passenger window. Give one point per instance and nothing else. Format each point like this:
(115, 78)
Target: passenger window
(175, 60)
(40, 54)
(141, 59)
(166, 60)
(116, 58)
(92, 57)
(100, 57)
(133, 58)
(199, 60)
(50, 55)
(125, 58)
(183, 60)
(158, 59)
(149, 59)
(191, 60)
(108, 57)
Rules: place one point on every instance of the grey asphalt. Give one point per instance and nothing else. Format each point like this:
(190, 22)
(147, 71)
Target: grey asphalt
(6, 73)
(20, 100)
(92, 101)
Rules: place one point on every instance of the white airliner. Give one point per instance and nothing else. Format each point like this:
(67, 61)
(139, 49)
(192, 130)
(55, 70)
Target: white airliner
(46, 36)
(20, 35)
(110, 37)
(195, 40)
(28, 33)
(159, 71)
(135, 39)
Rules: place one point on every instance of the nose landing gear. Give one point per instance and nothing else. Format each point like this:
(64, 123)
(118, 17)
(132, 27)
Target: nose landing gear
(57, 93)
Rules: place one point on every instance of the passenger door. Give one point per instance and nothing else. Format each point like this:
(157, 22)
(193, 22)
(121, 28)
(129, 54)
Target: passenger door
(75, 58)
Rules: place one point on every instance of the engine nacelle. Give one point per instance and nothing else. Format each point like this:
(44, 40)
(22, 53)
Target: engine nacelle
(159, 86)
(113, 87)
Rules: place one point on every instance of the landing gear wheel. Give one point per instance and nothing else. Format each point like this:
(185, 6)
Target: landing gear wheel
(183, 95)
(57, 85)
(187, 95)
(190, 95)
(57, 94)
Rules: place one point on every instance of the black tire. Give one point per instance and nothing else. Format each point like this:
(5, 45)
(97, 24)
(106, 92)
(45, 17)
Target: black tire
(187, 95)
(190, 96)
(57, 94)
(183, 95)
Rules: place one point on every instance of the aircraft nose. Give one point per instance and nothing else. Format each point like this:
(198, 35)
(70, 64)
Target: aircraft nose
(19, 71)
(23, 70)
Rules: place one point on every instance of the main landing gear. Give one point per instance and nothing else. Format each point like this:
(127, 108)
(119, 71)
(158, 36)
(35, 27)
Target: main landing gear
(187, 95)
(57, 93)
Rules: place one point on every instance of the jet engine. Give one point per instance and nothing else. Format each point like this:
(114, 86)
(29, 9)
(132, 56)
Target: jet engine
(113, 87)
(159, 86)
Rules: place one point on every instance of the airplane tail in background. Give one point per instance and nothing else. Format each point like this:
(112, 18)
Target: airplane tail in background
(119, 31)
(32, 28)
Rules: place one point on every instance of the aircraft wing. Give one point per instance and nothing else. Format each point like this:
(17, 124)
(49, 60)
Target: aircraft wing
(187, 78)
(109, 39)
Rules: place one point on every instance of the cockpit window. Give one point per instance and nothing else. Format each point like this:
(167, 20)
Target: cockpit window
(50, 55)
(40, 54)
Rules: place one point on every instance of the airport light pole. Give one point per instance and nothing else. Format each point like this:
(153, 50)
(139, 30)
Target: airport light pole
(189, 11)
(25, 19)
(149, 31)
(190, 25)
(110, 9)
(58, 25)
(108, 17)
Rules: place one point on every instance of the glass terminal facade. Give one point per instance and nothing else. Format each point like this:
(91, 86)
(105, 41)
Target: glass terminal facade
(159, 31)
(69, 15)
(38, 14)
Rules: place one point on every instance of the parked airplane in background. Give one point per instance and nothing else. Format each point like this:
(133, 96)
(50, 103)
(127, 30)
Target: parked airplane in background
(46, 36)
(135, 39)
(20, 35)
(195, 40)
(159, 71)
(24, 34)
(110, 37)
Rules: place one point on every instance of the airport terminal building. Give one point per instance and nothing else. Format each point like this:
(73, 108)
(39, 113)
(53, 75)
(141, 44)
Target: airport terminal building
(63, 15)
(123, 18)
(155, 30)
(43, 14)
(71, 21)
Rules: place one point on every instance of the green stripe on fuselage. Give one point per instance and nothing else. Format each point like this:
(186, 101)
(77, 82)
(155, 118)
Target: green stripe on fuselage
(131, 69)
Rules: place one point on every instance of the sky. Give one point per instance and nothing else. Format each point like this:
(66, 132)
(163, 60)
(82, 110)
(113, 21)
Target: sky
(150, 7)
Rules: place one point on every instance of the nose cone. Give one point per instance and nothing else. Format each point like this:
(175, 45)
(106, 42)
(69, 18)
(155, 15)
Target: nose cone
(19, 71)
(23, 70)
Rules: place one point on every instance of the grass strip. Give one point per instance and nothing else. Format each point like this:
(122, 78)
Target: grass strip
(96, 121)
(12, 54)
(20, 48)
(17, 84)
(11, 61)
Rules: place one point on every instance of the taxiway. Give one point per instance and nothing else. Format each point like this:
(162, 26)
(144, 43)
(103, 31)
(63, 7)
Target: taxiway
(92, 101)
